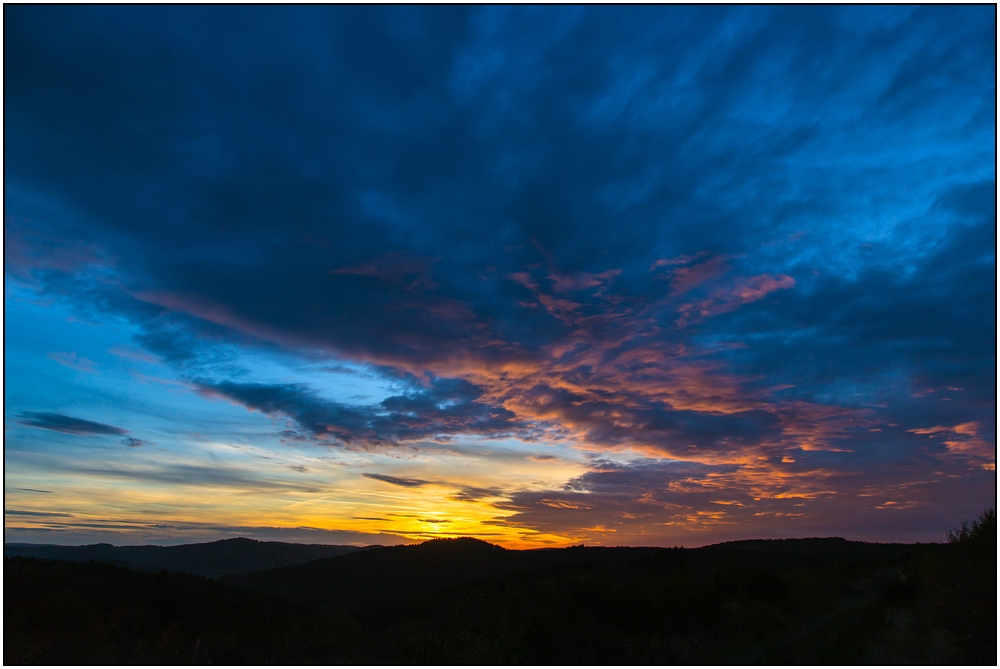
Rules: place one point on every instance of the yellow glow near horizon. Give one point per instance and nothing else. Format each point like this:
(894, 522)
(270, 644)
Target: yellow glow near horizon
(126, 499)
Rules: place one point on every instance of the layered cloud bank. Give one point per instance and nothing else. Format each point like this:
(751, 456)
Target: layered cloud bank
(543, 275)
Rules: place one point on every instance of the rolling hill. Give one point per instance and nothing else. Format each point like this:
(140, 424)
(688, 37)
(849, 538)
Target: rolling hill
(213, 559)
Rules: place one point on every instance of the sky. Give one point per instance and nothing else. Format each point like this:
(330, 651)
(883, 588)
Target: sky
(546, 276)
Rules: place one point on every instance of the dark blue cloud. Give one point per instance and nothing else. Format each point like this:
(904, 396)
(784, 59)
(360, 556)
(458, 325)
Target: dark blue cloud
(61, 423)
(442, 410)
(891, 335)
(395, 480)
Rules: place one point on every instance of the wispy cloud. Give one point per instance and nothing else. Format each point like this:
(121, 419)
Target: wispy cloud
(73, 361)
(395, 480)
(61, 423)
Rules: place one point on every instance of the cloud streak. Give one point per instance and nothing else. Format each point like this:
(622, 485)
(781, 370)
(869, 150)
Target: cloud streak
(58, 422)
(395, 480)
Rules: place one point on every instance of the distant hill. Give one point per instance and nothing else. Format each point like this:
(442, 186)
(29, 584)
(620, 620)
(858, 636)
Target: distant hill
(383, 575)
(214, 559)
(386, 573)
(817, 553)
(393, 571)
(815, 546)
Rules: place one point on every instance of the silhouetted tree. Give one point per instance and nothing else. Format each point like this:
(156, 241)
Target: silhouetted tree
(982, 531)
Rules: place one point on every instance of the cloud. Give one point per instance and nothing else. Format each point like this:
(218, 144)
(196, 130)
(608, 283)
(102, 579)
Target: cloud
(192, 476)
(441, 408)
(77, 426)
(395, 268)
(963, 440)
(132, 353)
(728, 298)
(67, 424)
(394, 480)
(582, 280)
(475, 494)
(73, 361)
(686, 278)
(657, 502)
(679, 260)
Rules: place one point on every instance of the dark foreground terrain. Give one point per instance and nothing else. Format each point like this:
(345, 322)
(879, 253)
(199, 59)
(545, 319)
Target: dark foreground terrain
(809, 601)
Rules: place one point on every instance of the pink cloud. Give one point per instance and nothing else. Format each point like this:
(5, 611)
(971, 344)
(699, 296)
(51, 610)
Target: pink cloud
(678, 260)
(73, 361)
(395, 268)
(524, 279)
(686, 278)
(582, 280)
(132, 353)
(742, 291)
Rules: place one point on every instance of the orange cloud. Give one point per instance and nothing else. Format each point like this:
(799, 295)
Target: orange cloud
(743, 291)
(964, 440)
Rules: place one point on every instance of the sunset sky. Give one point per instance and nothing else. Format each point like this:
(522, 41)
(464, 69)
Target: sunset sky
(661, 275)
